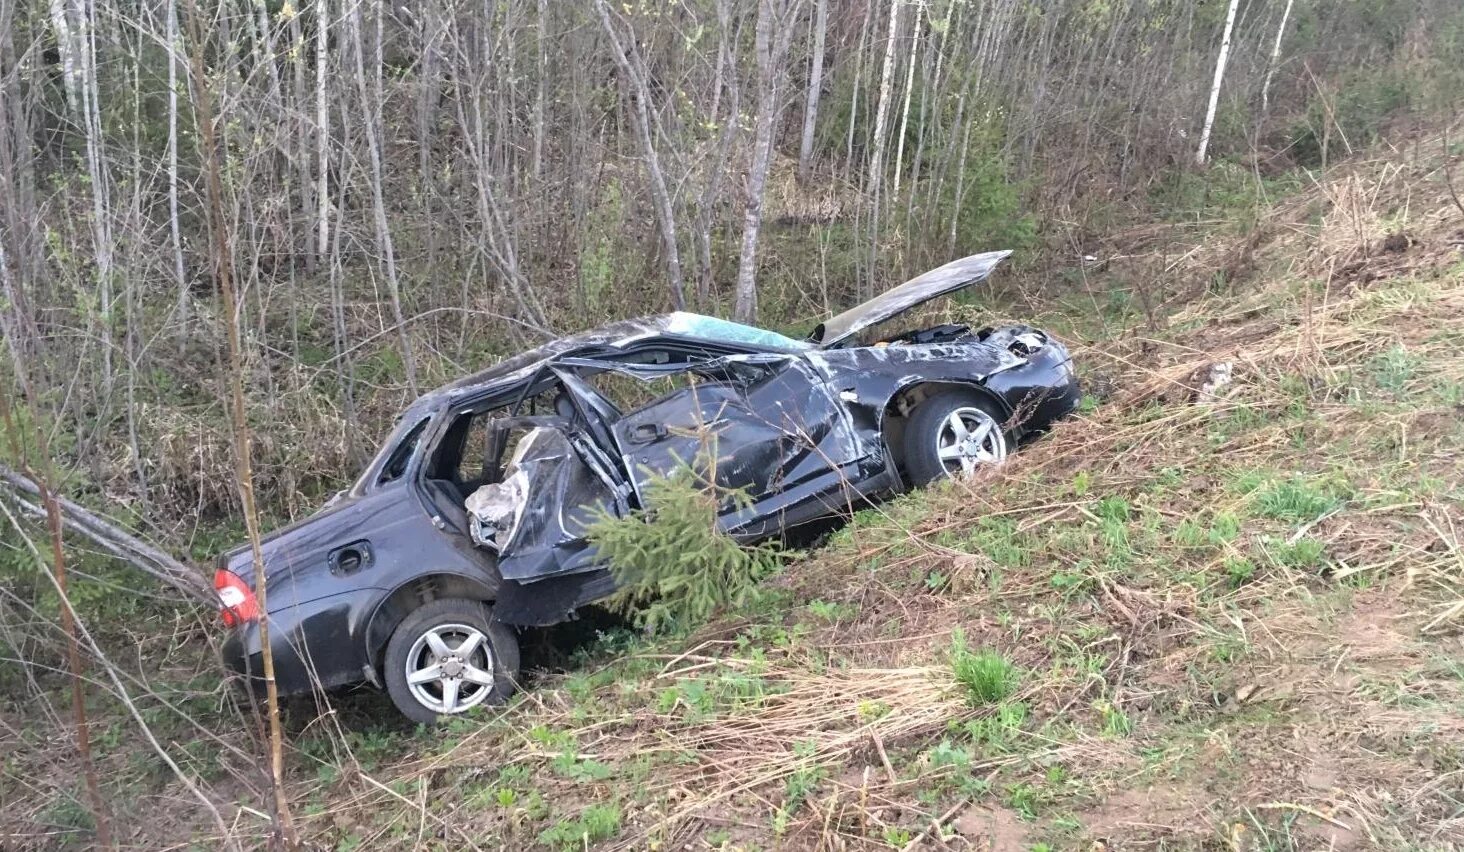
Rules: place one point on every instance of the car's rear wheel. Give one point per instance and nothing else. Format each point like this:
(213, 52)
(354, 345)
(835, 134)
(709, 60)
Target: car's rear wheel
(952, 433)
(447, 657)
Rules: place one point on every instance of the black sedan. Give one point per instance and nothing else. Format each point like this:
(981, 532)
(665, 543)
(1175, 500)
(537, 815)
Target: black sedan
(471, 519)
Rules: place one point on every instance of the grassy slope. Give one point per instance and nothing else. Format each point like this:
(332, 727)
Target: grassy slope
(1234, 617)
(1227, 621)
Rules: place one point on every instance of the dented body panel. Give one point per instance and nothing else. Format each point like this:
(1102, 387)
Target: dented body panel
(803, 428)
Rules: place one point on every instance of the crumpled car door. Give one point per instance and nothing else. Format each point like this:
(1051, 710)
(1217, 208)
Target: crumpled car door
(777, 433)
(555, 486)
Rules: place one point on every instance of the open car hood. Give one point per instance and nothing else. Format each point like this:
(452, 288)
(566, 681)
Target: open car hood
(918, 290)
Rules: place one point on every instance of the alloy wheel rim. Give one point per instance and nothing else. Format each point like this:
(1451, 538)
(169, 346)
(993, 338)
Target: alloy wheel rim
(450, 668)
(969, 438)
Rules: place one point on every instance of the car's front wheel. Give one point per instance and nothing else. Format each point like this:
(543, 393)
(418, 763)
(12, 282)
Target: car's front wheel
(952, 433)
(447, 657)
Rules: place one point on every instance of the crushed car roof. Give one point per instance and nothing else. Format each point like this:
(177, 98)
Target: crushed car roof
(622, 333)
(693, 327)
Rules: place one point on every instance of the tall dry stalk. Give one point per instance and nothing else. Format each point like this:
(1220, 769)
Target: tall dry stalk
(224, 276)
(44, 480)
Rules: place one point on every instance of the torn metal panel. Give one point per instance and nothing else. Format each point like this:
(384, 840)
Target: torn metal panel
(922, 288)
(562, 495)
(769, 422)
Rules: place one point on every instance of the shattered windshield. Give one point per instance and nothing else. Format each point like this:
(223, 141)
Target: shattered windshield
(712, 328)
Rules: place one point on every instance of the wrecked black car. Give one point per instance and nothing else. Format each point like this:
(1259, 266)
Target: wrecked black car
(472, 518)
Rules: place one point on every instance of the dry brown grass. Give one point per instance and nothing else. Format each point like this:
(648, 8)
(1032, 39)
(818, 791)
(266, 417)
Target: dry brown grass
(1307, 706)
(1171, 699)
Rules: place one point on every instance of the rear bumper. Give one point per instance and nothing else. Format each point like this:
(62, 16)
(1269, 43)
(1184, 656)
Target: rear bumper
(313, 645)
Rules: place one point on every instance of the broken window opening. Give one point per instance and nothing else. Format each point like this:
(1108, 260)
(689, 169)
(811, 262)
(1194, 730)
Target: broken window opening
(401, 457)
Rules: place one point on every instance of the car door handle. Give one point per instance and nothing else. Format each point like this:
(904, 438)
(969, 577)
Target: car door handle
(348, 559)
(644, 433)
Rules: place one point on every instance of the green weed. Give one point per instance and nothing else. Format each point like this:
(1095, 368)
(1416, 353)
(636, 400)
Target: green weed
(1116, 723)
(1296, 499)
(1304, 553)
(1395, 369)
(597, 822)
(987, 676)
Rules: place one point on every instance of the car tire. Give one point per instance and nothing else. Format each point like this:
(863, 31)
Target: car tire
(934, 449)
(428, 675)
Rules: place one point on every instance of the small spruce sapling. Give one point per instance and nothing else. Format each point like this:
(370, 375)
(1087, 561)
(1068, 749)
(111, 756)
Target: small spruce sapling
(674, 564)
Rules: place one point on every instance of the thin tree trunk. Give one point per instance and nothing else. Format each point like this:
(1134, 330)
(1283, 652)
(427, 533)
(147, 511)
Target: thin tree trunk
(497, 243)
(372, 108)
(243, 470)
(960, 199)
(717, 168)
(119, 688)
(1275, 60)
(771, 49)
(300, 221)
(815, 90)
(914, 53)
(68, 617)
(881, 115)
(74, 24)
(322, 129)
(855, 91)
(175, 235)
(536, 165)
(1215, 86)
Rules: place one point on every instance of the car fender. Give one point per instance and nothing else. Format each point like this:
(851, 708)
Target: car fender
(869, 379)
(962, 384)
(397, 604)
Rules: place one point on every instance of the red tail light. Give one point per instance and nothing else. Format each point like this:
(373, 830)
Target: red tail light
(236, 601)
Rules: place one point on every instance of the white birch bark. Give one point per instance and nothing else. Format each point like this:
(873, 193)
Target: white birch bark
(1275, 60)
(175, 236)
(372, 108)
(67, 47)
(905, 108)
(882, 109)
(1215, 87)
(773, 34)
(322, 129)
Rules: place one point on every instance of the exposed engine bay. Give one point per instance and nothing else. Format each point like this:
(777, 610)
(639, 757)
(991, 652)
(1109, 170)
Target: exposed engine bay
(1021, 340)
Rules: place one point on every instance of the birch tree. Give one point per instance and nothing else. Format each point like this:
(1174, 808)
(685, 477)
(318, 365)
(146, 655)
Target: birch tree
(1215, 86)
(772, 36)
(815, 89)
(223, 268)
(1274, 61)
(372, 106)
(632, 69)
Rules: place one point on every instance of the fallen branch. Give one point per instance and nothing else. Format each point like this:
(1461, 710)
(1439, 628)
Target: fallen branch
(109, 536)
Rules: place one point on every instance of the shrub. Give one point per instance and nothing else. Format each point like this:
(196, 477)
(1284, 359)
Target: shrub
(674, 565)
